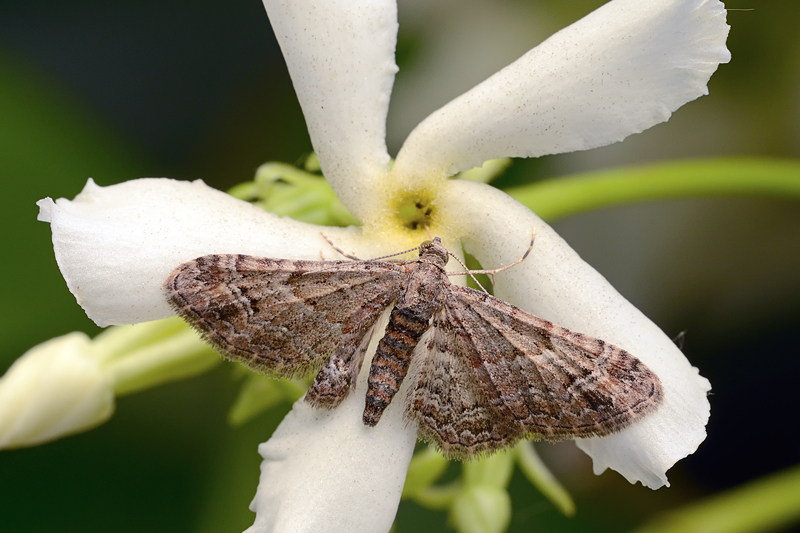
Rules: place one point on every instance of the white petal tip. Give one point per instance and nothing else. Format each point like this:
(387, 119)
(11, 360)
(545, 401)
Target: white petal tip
(115, 245)
(45, 208)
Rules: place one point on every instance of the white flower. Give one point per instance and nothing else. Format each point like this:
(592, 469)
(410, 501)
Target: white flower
(618, 71)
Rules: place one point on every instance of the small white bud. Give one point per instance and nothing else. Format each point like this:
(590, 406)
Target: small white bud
(55, 389)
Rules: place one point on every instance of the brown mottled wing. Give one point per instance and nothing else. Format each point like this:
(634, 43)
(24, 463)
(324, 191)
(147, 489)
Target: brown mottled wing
(495, 374)
(281, 316)
(446, 400)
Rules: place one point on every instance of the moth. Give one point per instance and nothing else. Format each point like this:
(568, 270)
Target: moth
(484, 373)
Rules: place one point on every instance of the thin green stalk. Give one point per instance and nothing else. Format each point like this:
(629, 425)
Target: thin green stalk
(439, 497)
(766, 504)
(179, 356)
(538, 474)
(724, 177)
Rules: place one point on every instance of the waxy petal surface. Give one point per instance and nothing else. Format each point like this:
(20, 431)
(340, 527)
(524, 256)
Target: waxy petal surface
(55, 389)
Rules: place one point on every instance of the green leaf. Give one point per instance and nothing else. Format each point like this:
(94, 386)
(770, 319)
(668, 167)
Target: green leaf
(289, 191)
(177, 355)
(258, 394)
(491, 471)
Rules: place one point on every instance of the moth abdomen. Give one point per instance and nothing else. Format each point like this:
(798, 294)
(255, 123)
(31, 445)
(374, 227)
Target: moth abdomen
(392, 359)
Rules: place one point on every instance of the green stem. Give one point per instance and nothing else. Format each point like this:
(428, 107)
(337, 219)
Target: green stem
(179, 356)
(538, 474)
(766, 504)
(439, 497)
(724, 177)
(118, 341)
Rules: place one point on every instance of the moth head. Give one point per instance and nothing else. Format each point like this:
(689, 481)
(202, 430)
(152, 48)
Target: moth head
(433, 251)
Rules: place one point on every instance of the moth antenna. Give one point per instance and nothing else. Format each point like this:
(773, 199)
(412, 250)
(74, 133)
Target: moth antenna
(396, 254)
(337, 248)
(374, 258)
(494, 271)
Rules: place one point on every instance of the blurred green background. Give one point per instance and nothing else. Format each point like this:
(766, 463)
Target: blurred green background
(188, 90)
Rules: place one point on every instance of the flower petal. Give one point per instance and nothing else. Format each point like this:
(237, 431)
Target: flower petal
(325, 471)
(55, 389)
(340, 55)
(620, 70)
(556, 284)
(116, 245)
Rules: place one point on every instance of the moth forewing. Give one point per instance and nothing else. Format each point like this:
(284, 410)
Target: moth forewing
(278, 316)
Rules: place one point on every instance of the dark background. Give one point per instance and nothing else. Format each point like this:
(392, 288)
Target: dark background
(121, 90)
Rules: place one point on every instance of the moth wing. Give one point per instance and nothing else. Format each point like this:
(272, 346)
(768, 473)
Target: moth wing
(538, 380)
(282, 316)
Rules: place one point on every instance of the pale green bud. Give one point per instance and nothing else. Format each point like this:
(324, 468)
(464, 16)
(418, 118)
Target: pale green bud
(481, 509)
(55, 389)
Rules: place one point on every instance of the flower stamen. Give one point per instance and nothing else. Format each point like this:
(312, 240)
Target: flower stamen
(416, 212)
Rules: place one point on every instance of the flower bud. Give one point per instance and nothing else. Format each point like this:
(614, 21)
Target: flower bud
(55, 389)
(481, 509)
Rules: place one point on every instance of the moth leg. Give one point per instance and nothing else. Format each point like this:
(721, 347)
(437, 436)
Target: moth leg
(494, 271)
(332, 383)
(340, 371)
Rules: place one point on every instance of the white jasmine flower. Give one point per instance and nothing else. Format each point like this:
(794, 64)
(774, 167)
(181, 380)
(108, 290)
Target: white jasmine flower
(618, 71)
